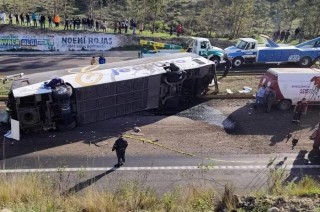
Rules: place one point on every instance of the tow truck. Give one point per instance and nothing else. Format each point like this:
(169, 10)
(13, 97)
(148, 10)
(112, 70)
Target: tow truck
(247, 50)
(196, 45)
(63, 99)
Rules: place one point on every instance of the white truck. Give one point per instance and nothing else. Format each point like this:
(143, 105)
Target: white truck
(196, 45)
(247, 50)
(293, 84)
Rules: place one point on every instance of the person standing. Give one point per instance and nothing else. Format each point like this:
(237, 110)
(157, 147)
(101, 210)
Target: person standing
(171, 29)
(270, 98)
(34, 19)
(126, 25)
(56, 20)
(286, 37)
(17, 18)
(300, 109)
(66, 24)
(134, 27)
(10, 18)
(179, 30)
(296, 32)
(22, 19)
(28, 19)
(120, 146)
(260, 95)
(104, 26)
(227, 65)
(50, 21)
(282, 34)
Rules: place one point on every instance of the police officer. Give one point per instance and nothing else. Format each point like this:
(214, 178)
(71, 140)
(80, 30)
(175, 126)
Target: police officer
(227, 65)
(120, 146)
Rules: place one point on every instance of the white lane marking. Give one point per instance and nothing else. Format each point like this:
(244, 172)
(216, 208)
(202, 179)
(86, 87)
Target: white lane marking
(157, 168)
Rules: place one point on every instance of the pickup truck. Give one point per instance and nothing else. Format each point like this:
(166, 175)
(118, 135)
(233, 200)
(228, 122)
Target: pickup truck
(196, 45)
(247, 50)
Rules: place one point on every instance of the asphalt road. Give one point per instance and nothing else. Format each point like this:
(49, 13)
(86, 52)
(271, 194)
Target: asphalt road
(28, 64)
(245, 172)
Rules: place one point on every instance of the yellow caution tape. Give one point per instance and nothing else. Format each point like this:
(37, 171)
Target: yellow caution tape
(145, 140)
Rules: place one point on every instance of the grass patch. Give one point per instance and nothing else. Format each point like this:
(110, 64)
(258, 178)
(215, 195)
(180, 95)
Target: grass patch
(307, 186)
(34, 192)
(236, 83)
(38, 192)
(5, 87)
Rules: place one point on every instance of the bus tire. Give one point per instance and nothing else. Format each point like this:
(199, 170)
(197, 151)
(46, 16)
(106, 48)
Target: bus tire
(237, 62)
(305, 62)
(29, 117)
(284, 104)
(60, 94)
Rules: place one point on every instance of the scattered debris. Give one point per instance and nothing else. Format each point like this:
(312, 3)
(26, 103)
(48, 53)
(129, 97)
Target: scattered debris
(136, 129)
(229, 91)
(245, 89)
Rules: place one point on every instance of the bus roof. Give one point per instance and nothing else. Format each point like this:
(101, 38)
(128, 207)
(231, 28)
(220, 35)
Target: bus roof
(119, 71)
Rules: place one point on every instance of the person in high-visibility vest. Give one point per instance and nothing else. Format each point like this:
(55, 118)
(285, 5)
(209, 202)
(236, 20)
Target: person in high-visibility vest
(56, 20)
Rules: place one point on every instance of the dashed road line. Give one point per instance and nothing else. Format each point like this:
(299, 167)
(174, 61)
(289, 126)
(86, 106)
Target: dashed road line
(158, 168)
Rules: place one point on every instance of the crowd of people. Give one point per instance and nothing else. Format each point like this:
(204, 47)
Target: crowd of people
(284, 35)
(78, 23)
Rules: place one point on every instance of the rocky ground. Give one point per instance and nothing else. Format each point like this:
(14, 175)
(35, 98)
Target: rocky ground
(277, 204)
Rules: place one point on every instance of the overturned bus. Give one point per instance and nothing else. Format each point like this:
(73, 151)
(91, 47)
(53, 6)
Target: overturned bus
(66, 98)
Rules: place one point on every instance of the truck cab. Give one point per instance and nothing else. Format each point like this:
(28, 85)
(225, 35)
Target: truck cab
(245, 51)
(203, 47)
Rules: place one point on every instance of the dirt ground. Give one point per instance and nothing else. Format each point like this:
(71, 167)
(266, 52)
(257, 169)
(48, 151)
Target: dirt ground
(205, 129)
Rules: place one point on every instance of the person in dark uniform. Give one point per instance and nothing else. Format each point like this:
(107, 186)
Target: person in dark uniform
(120, 146)
(227, 66)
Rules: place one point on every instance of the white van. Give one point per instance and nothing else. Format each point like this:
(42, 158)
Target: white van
(293, 84)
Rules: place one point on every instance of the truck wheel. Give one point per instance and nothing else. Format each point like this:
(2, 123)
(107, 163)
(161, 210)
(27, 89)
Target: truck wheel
(305, 62)
(284, 104)
(237, 62)
(216, 60)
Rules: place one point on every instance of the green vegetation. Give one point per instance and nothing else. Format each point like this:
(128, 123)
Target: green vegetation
(4, 88)
(209, 18)
(36, 192)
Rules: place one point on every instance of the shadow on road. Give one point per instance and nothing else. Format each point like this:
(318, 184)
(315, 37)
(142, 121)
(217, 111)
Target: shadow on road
(82, 185)
(277, 124)
(91, 134)
(297, 174)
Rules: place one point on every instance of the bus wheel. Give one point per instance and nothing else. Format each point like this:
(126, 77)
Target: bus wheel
(237, 62)
(305, 62)
(284, 104)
